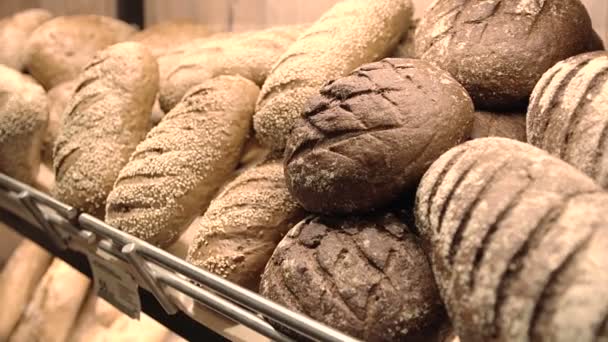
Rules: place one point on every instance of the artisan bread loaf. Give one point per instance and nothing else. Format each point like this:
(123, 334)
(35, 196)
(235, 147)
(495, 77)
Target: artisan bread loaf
(174, 173)
(567, 113)
(105, 120)
(18, 280)
(367, 277)
(498, 50)
(59, 49)
(59, 97)
(14, 32)
(244, 224)
(23, 121)
(497, 124)
(161, 37)
(249, 54)
(52, 311)
(94, 319)
(351, 33)
(518, 243)
(370, 136)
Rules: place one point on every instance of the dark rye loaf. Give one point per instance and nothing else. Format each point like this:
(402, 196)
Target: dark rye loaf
(519, 243)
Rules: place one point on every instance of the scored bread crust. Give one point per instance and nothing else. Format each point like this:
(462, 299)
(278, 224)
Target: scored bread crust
(14, 32)
(517, 242)
(243, 225)
(174, 173)
(103, 123)
(248, 54)
(351, 33)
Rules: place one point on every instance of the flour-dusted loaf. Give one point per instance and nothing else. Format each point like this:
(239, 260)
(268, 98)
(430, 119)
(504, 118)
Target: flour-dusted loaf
(567, 113)
(174, 173)
(161, 37)
(14, 32)
(105, 120)
(58, 49)
(510, 125)
(518, 243)
(351, 33)
(367, 277)
(371, 135)
(23, 122)
(59, 97)
(18, 281)
(499, 49)
(95, 318)
(243, 225)
(51, 313)
(248, 54)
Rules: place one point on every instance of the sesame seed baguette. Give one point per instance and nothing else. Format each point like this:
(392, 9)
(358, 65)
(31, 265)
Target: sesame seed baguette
(352, 33)
(174, 173)
(106, 118)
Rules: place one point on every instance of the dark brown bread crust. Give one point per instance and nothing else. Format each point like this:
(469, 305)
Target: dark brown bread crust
(499, 49)
(516, 234)
(567, 113)
(367, 277)
(505, 125)
(371, 135)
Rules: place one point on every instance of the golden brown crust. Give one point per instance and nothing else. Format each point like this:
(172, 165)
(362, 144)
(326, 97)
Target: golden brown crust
(14, 33)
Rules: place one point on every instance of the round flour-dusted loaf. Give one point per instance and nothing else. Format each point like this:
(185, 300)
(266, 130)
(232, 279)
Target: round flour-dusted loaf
(351, 33)
(518, 243)
(495, 124)
(370, 136)
(23, 122)
(367, 277)
(59, 97)
(244, 224)
(249, 54)
(499, 49)
(103, 123)
(163, 36)
(58, 49)
(174, 173)
(14, 32)
(567, 113)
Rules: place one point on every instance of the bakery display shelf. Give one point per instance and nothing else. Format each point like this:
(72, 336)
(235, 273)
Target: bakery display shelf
(166, 283)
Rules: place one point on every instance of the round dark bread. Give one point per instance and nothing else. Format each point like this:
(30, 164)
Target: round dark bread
(498, 124)
(367, 277)
(499, 49)
(371, 135)
(567, 113)
(519, 243)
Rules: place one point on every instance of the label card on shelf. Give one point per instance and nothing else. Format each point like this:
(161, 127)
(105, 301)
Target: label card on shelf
(114, 282)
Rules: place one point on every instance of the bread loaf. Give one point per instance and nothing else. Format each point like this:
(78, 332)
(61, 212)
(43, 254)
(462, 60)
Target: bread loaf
(18, 280)
(244, 224)
(59, 97)
(105, 120)
(253, 154)
(174, 173)
(58, 50)
(494, 124)
(125, 329)
(23, 121)
(14, 32)
(161, 37)
(406, 47)
(50, 314)
(519, 244)
(367, 277)
(351, 33)
(249, 54)
(95, 318)
(499, 49)
(370, 136)
(567, 113)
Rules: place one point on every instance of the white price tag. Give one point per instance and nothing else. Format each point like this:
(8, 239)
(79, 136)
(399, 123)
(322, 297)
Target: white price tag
(114, 282)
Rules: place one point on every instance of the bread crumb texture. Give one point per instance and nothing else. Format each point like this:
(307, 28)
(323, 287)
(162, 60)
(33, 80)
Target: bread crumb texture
(103, 123)
(518, 243)
(351, 33)
(174, 173)
(14, 32)
(248, 54)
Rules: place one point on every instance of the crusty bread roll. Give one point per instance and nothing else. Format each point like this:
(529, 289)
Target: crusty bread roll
(14, 32)
(174, 173)
(95, 318)
(23, 121)
(163, 36)
(51, 313)
(106, 118)
(18, 280)
(58, 49)
(243, 225)
(248, 54)
(59, 97)
(351, 33)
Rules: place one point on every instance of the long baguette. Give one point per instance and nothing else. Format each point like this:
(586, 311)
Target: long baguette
(352, 33)
(173, 174)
